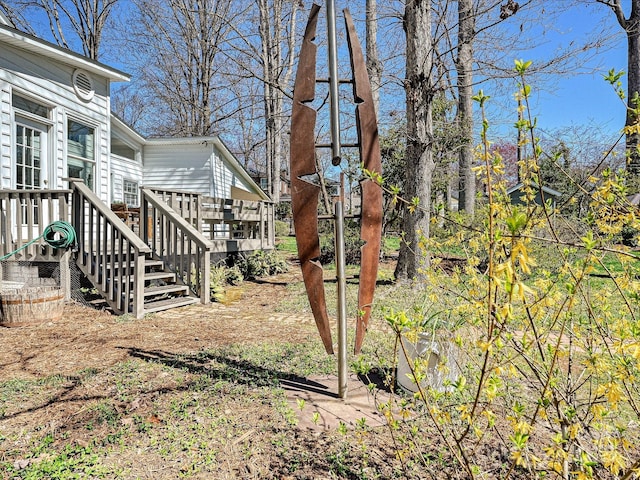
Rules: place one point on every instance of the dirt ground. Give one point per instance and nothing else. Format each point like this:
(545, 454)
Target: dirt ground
(206, 417)
(87, 338)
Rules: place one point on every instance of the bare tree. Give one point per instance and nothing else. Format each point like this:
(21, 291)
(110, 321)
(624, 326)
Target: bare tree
(631, 26)
(87, 19)
(130, 106)
(419, 157)
(16, 15)
(177, 45)
(374, 65)
(464, 79)
(277, 36)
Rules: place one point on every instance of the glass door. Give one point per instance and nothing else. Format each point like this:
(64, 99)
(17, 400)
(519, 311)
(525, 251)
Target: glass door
(31, 173)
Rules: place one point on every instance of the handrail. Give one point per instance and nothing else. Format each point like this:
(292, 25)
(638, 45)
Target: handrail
(232, 225)
(110, 254)
(181, 246)
(187, 204)
(127, 233)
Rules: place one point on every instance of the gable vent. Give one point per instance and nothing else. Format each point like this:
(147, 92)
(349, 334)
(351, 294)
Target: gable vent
(83, 85)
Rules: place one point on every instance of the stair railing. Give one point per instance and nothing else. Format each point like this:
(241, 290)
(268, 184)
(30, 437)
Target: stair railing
(174, 240)
(110, 254)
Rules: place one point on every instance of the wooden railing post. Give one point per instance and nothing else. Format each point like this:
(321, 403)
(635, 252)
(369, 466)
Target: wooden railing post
(110, 254)
(179, 244)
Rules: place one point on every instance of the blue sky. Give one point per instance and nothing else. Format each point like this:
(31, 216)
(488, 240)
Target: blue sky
(583, 98)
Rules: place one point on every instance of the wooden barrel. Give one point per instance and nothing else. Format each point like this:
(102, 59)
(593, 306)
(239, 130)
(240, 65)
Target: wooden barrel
(31, 306)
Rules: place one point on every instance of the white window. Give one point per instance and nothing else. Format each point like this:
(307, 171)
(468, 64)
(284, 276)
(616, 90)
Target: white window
(130, 192)
(29, 150)
(81, 152)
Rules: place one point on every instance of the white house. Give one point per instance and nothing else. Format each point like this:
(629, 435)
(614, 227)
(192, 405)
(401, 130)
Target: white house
(55, 109)
(65, 156)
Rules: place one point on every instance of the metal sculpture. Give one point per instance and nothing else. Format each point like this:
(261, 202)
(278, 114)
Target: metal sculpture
(371, 204)
(305, 182)
(305, 192)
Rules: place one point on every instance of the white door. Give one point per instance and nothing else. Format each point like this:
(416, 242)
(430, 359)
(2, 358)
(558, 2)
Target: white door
(31, 173)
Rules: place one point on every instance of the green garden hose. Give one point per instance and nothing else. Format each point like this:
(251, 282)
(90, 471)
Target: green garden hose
(66, 237)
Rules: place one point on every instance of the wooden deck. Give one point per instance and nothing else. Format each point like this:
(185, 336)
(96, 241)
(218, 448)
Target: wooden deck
(138, 266)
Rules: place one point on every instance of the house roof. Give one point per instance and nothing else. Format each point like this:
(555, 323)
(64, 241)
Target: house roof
(24, 41)
(4, 20)
(546, 190)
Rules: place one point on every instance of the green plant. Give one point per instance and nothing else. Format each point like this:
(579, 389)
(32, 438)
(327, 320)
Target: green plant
(282, 228)
(217, 282)
(352, 245)
(261, 263)
(233, 275)
(550, 357)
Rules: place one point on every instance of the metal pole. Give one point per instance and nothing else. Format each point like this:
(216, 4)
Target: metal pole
(334, 106)
(342, 301)
(336, 155)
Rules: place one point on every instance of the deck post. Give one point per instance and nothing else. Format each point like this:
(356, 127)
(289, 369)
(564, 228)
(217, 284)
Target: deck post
(65, 275)
(138, 286)
(205, 269)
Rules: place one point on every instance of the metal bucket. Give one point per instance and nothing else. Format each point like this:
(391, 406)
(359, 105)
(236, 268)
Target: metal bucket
(441, 363)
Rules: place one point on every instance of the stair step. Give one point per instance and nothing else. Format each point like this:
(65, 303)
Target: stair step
(147, 264)
(166, 289)
(169, 303)
(160, 276)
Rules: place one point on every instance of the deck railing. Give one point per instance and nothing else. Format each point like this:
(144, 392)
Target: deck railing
(177, 242)
(231, 225)
(110, 254)
(24, 215)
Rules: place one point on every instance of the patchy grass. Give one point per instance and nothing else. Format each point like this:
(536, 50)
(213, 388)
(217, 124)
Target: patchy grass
(287, 245)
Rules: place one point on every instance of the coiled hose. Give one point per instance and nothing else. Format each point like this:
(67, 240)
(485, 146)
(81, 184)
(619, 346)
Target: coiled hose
(66, 237)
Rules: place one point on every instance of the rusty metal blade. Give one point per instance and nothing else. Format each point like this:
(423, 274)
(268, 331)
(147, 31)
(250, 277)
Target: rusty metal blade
(371, 216)
(304, 194)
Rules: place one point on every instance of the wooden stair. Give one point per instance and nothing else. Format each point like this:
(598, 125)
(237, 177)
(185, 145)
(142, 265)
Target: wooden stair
(162, 290)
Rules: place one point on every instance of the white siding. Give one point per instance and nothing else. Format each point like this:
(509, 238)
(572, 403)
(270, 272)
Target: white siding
(123, 169)
(51, 83)
(196, 167)
(59, 141)
(178, 167)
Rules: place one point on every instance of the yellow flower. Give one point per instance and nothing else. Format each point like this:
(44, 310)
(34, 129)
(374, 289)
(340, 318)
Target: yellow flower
(631, 129)
(614, 461)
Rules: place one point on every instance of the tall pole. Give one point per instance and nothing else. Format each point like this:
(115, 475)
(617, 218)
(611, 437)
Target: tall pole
(336, 155)
(342, 302)
(334, 107)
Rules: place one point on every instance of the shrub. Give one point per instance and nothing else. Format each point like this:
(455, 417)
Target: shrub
(550, 353)
(217, 282)
(352, 245)
(261, 263)
(233, 275)
(282, 228)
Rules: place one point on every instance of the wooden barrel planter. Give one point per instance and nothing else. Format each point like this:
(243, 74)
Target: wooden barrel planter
(30, 305)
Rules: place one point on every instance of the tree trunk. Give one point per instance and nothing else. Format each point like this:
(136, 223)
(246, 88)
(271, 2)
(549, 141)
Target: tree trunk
(419, 159)
(464, 66)
(374, 66)
(633, 89)
(276, 75)
(630, 26)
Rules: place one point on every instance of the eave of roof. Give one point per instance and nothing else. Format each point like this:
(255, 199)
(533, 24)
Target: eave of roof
(547, 190)
(29, 43)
